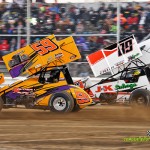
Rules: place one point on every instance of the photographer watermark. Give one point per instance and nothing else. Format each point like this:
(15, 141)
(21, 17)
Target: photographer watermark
(148, 133)
(138, 139)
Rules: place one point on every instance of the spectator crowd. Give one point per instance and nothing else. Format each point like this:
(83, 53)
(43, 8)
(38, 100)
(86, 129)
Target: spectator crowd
(59, 19)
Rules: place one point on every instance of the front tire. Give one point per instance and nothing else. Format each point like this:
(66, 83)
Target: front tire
(140, 97)
(61, 102)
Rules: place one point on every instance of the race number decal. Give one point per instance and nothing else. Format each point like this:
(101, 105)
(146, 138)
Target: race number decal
(82, 97)
(114, 56)
(44, 46)
(125, 47)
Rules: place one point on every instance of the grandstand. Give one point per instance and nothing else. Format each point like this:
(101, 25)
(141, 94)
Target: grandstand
(93, 25)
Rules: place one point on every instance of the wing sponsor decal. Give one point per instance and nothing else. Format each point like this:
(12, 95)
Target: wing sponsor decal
(114, 56)
(82, 97)
(104, 88)
(124, 86)
(44, 46)
(31, 56)
(68, 53)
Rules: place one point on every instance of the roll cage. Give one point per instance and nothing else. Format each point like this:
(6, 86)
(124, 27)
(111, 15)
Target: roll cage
(124, 71)
(54, 74)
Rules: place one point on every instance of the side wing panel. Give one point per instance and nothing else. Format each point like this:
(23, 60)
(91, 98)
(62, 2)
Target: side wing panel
(68, 53)
(145, 48)
(114, 56)
(34, 55)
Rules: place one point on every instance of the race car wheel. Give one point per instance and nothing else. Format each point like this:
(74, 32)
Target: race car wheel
(140, 97)
(1, 103)
(61, 102)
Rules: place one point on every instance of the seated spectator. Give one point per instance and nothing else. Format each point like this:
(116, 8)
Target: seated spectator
(92, 46)
(23, 43)
(79, 28)
(123, 20)
(133, 22)
(13, 45)
(113, 27)
(88, 28)
(94, 18)
(4, 46)
(81, 43)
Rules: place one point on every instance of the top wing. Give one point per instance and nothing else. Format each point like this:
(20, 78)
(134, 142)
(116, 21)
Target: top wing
(42, 53)
(145, 48)
(114, 56)
(68, 53)
(33, 55)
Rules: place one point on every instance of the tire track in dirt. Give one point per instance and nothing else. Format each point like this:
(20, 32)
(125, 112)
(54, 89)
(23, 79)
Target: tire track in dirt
(99, 128)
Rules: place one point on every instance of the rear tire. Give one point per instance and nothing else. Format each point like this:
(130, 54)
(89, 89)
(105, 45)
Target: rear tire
(61, 102)
(140, 97)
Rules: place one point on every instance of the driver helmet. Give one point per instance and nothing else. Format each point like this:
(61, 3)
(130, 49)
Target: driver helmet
(136, 72)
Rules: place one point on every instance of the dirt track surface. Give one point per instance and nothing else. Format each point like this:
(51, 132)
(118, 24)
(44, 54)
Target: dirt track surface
(93, 128)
